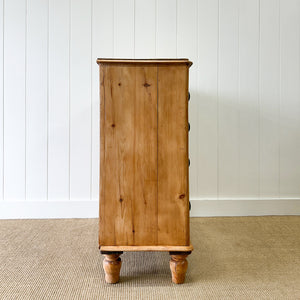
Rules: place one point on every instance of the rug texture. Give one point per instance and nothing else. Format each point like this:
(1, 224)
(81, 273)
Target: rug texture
(234, 258)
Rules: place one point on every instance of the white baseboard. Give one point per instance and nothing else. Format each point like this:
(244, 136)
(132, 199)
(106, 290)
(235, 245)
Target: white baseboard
(200, 208)
(244, 207)
(48, 209)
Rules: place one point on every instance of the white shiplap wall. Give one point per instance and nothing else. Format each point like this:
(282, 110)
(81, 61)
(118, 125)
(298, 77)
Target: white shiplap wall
(244, 108)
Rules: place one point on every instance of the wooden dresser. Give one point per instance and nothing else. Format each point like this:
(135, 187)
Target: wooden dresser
(144, 185)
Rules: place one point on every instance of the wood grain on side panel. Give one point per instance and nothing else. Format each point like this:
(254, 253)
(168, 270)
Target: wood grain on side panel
(128, 179)
(145, 169)
(102, 155)
(173, 204)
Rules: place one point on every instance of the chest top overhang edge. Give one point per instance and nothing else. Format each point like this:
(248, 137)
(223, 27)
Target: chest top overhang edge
(163, 61)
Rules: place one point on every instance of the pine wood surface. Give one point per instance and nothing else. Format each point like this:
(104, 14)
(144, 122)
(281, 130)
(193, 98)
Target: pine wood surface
(173, 200)
(112, 265)
(147, 248)
(178, 266)
(143, 155)
(146, 61)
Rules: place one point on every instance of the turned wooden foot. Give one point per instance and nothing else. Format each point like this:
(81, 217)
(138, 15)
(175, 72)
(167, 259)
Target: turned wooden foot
(178, 266)
(112, 266)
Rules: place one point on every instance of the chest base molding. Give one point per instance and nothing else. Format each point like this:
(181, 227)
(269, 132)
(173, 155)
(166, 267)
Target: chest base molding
(147, 248)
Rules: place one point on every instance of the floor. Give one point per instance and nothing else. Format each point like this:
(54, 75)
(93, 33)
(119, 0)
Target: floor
(234, 258)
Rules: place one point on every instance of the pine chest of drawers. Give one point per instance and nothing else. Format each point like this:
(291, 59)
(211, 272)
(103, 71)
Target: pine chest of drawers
(144, 186)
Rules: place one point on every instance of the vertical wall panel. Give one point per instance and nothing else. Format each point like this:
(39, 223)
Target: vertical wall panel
(206, 138)
(80, 100)
(1, 96)
(187, 47)
(248, 98)
(290, 99)
(14, 99)
(144, 29)
(166, 28)
(36, 99)
(228, 108)
(58, 114)
(102, 46)
(244, 84)
(124, 28)
(269, 98)
(102, 29)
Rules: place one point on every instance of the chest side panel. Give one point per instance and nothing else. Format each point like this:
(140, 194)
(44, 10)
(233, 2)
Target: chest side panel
(173, 194)
(128, 170)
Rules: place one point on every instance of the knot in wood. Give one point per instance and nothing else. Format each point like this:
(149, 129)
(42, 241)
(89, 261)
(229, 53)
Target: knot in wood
(146, 84)
(181, 196)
